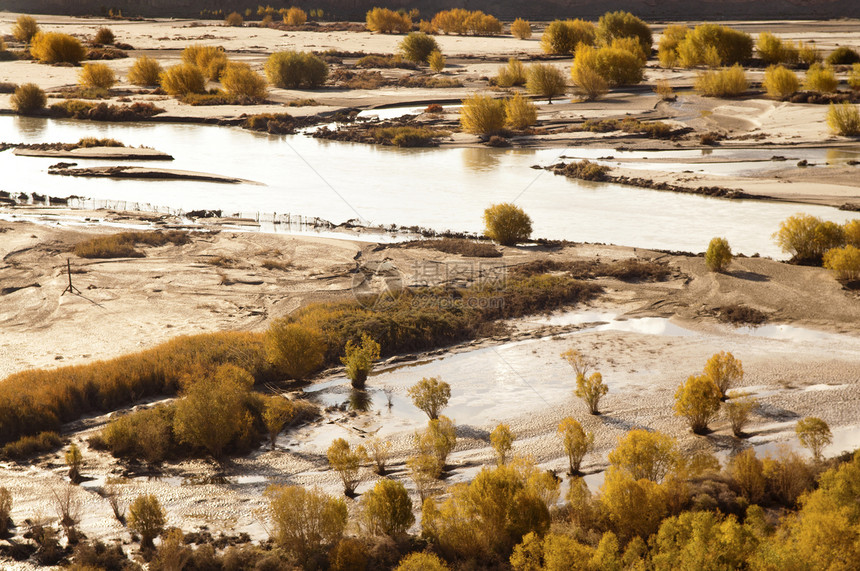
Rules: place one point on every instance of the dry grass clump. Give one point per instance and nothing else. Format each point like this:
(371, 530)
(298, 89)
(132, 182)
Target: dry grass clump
(239, 80)
(482, 115)
(467, 248)
(144, 71)
(211, 60)
(727, 82)
(103, 112)
(843, 55)
(385, 62)
(96, 76)
(520, 112)
(28, 98)
(429, 81)
(844, 119)
(53, 47)
(586, 170)
(295, 16)
(561, 37)
(854, 77)
(821, 79)
(545, 80)
(521, 29)
(780, 82)
(182, 79)
(104, 36)
(406, 136)
(25, 28)
(291, 69)
(664, 90)
(87, 142)
(808, 54)
(740, 314)
(514, 73)
(417, 47)
(234, 20)
(462, 22)
(122, 245)
(387, 21)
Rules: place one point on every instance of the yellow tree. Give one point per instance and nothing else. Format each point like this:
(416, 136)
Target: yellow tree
(346, 461)
(698, 401)
(502, 440)
(725, 371)
(814, 434)
(645, 454)
(576, 442)
(430, 395)
(305, 521)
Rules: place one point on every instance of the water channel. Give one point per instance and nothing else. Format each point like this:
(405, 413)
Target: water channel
(442, 189)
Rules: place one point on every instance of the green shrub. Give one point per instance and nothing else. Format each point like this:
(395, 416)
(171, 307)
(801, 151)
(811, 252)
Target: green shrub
(714, 45)
(718, 255)
(182, 79)
(807, 237)
(780, 82)
(436, 61)
(294, 16)
(234, 20)
(820, 78)
(239, 80)
(507, 224)
(545, 80)
(417, 47)
(514, 73)
(521, 29)
(561, 37)
(727, 82)
(294, 350)
(28, 98)
(25, 28)
(53, 47)
(144, 71)
(774, 51)
(520, 112)
(387, 21)
(104, 36)
(482, 115)
(210, 59)
(358, 359)
(620, 24)
(96, 76)
(844, 262)
(844, 119)
(843, 55)
(290, 69)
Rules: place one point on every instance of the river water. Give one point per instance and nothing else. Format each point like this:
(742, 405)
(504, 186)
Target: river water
(442, 189)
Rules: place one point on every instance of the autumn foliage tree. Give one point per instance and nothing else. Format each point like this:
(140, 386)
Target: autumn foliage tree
(430, 395)
(305, 522)
(576, 441)
(698, 401)
(725, 371)
(346, 461)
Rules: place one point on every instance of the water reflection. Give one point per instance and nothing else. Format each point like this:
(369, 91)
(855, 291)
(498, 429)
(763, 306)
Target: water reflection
(481, 159)
(841, 155)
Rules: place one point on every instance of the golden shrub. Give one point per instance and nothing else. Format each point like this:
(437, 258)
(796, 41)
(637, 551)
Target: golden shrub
(295, 16)
(417, 47)
(291, 69)
(714, 45)
(97, 76)
(667, 50)
(780, 82)
(521, 29)
(240, 80)
(586, 75)
(182, 79)
(144, 71)
(520, 112)
(211, 60)
(718, 255)
(663, 88)
(844, 262)
(482, 115)
(821, 79)
(387, 21)
(507, 224)
(25, 28)
(620, 24)
(28, 98)
(295, 350)
(436, 61)
(53, 47)
(104, 36)
(234, 20)
(727, 82)
(545, 80)
(562, 37)
(774, 51)
(514, 73)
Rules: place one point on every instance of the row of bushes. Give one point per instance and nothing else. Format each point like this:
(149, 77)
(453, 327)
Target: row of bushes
(562, 37)
(486, 116)
(808, 238)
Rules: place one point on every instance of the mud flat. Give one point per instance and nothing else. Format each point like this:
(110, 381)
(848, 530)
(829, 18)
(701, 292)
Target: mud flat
(111, 153)
(145, 173)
